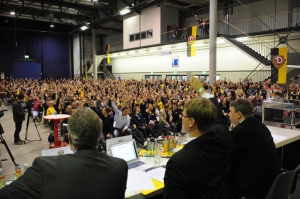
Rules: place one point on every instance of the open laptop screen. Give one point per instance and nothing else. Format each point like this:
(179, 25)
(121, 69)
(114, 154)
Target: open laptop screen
(116, 140)
(124, 150)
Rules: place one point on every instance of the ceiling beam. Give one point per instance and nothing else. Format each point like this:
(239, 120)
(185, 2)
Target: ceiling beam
(126, 3)
(180, 3)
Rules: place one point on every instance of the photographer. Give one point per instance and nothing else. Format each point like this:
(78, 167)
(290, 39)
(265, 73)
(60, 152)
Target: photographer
(19, 117)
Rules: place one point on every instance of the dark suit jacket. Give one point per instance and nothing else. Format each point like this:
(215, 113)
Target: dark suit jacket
(85, 174)
(254, 162)
(198, 171)
(18, 112)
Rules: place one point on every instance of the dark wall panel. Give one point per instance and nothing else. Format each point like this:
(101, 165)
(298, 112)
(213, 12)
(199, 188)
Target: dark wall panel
(52, 50)
(25, 69)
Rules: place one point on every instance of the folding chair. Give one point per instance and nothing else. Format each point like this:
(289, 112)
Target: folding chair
(283, 185)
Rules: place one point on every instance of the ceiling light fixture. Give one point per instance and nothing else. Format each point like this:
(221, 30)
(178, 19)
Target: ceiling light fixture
(12, 13)
(242, 38)
(83, 27)
(124, 11)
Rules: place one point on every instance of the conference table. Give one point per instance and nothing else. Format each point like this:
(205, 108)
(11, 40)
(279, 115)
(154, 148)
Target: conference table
(137, 194)
(282, 137)
(287, 142)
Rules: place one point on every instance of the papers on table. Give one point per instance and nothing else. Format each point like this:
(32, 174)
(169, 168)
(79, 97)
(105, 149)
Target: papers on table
(157, 173)
(278, 137)
(141, 180)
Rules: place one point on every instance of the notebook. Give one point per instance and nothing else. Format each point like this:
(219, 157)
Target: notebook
(128, 152)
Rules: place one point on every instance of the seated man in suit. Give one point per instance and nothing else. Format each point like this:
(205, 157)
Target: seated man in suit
(199, 169)
(254, 162)
(85, 174)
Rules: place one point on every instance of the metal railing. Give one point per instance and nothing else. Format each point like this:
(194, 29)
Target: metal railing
(279, 21)
(107, 73)
(260, 74)
(253, 42)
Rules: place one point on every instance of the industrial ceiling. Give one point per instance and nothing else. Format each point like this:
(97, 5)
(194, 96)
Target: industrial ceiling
(67, 16)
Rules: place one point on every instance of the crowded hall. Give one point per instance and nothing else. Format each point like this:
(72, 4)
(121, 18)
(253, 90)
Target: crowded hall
(150, 99)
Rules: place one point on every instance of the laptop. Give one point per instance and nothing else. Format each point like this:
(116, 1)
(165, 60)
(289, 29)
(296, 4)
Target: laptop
(116, 140)
(127, 151)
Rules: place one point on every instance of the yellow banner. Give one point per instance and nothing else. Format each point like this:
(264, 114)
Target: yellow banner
(193, 47)
(282, 60)
(107, 54)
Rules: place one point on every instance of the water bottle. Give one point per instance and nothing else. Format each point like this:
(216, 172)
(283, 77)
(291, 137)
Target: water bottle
(166, 145)
(171, 151)
(18, 172)
(2, 179)
(148, 149)
(156, 152)
(25, 167)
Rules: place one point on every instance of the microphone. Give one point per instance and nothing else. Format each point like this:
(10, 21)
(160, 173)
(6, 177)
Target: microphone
(294, 78)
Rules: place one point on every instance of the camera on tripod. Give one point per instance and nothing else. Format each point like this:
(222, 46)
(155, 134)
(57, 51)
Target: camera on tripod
(2, 141)
(28, 106)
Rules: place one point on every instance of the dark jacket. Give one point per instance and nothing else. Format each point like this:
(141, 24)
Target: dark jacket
(85, 174)
(198, 171)
(18, 112)
(254, 162)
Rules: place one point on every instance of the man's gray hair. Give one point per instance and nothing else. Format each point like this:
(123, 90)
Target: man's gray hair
(244, 106)
(85, 128)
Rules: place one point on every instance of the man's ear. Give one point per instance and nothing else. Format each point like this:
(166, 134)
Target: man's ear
(191, 122)
(239, 114)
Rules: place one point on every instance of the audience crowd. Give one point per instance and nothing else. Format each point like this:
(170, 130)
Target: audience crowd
(153, 106)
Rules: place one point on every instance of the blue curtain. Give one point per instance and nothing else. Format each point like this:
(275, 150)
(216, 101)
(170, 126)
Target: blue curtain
(6, 50)
(51, 49)
(56, 56)
(26, 69)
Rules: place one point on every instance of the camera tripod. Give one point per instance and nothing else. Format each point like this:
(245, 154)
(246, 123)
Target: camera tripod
(27, 124)
(2, 141)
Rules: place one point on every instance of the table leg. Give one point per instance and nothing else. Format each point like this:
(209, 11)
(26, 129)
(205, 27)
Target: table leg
(56, 140)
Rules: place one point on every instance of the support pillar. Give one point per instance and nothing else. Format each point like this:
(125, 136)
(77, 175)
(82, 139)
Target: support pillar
(94, 47)
(213, 40)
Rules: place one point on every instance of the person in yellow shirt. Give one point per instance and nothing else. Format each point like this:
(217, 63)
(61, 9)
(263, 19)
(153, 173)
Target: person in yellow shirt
(160, 104)
(51, 111)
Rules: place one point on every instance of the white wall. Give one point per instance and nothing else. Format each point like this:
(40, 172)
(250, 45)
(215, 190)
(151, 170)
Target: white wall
(131, 24)
(148, 19)
(228, 59)
(151, 19)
